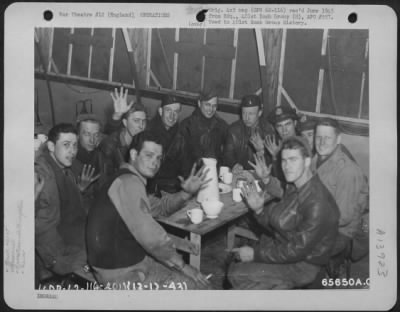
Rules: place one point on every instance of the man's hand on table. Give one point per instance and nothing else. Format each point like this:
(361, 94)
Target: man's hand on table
(196, 275)
(195, 181)
(244, 253)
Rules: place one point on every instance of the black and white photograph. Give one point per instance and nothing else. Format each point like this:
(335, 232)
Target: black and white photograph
(239, 148)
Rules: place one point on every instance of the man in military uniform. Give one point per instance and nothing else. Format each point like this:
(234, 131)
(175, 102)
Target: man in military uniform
(245, 136)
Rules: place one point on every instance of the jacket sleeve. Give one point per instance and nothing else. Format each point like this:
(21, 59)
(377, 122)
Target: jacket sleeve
(229, 158)
(298, 244)
(167, 204)
(351, 196)
(135, 210)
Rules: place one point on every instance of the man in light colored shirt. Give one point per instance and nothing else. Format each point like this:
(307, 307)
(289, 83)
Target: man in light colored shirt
(125, 242)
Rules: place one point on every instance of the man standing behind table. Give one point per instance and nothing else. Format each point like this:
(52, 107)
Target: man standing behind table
(134, 119)
(59, 215)
(125, 242)
(345, 180)
(164, 126)
(203, 133)
(245, 136)
(304, 226)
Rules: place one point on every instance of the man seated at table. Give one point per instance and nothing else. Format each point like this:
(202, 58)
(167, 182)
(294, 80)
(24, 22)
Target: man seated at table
(304, 225)
(164, 126)
(125, 242)
(245, 136)
(347, 183)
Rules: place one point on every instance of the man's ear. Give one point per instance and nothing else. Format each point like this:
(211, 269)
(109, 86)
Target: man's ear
(160, 110)
(51, 146)
(133, 154)
(198, 103)
(260, 113)
(124, 122)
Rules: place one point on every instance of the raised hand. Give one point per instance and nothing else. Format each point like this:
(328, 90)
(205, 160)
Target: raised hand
(120, 103)
(272, 146)
(262, 170)
(257, 142)
(253, 198)
(195, 181)
(87, 177)
(244, 253)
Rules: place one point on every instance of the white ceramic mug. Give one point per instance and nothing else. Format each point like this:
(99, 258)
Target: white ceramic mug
(227, 177)
(236, 192)
(195, 215)
(222, 171)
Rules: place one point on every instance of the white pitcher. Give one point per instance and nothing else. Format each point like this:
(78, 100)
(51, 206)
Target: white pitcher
(211, 191)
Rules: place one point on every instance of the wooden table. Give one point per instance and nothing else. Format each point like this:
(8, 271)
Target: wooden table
(192, 244)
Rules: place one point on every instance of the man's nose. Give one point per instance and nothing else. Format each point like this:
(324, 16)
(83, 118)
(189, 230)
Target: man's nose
(92, 139)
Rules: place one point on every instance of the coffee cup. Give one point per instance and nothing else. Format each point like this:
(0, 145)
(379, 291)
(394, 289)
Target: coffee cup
(227, 177)
(236, 195)
(195, 215)
(222, 171)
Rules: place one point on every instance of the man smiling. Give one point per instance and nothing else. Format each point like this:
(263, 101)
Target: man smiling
(203, 133)
(165, 127)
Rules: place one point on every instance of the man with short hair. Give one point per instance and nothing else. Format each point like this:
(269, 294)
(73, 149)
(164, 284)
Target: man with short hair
(59, 215)
(203, 133)
(164, 126)
(134, 119)
(125, 242)
(245, 136)
(304, 227)
(343, 178)
(284, 120)
(89, 164)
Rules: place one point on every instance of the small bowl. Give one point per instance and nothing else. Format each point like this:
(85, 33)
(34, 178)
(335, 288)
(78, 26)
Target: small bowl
(212, 208)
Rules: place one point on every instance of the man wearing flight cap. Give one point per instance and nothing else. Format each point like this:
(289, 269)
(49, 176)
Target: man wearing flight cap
(164, 127)
(284, 119)
(306, 128)
(347, 183)
(245, 136)
(203, 133)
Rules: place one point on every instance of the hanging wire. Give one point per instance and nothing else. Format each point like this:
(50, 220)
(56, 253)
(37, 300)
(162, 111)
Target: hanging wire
(332, 93)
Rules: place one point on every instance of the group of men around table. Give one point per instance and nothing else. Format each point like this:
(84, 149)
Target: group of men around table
(98, 195)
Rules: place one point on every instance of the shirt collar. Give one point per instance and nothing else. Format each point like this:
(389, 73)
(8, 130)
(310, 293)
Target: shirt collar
(135, 171)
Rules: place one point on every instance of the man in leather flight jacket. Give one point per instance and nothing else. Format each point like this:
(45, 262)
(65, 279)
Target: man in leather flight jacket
(304, 225)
